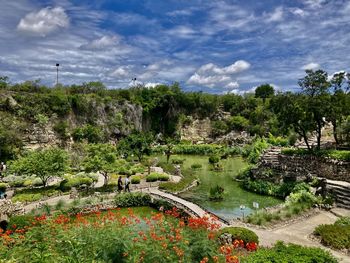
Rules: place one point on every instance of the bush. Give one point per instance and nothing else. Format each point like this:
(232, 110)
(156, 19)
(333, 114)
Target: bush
(290, 253)
(253, 151)
(132, 199)
(177, 161)
(3, 187)
(188, 178)
(136, 179)
(268, 188)
(20, 221)
(196, 166)
(27, 197)
(214, 159)
(240, 233)
(153, 177)
(341, 155)
(343, 221)
(216, 193)
(336, 236)
(277, 141)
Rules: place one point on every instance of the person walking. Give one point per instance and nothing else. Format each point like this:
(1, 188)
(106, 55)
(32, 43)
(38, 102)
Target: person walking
(120, 184)
(127, 184)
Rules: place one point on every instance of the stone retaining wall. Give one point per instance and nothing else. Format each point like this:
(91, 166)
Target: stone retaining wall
(300, 167)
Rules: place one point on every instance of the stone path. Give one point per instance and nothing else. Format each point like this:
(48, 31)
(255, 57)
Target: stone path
(299, 233)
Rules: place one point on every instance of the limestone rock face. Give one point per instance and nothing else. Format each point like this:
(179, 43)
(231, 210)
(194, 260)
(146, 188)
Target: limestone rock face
(197, 131)
(7, 209)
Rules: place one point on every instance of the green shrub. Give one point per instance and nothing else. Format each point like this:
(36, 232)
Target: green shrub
(27, 197)
(20, 221)
(177, 161)
(196, 166)
(153, 177)
(336, 236)
(214, 159)
(3, 187)
(343, 221)
(253, 151)
(341, 155)
(132, 199)
(277, 141)
(290, 253)
(216, 193)
(240, 233)
(136, 179)
(268, 188)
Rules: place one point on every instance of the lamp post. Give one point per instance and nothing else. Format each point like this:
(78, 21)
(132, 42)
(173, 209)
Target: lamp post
(57, 65)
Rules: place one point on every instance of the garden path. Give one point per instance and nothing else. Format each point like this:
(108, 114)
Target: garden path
(299, 233)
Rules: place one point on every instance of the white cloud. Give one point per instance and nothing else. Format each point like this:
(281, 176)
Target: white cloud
(276, 15)
(182, 32)
(314, 3)
(121, 72)
(152, 84)
(311, 66)
(103, 42)
(232, 85)
(211, 75)
(298, 12)
(45, 21)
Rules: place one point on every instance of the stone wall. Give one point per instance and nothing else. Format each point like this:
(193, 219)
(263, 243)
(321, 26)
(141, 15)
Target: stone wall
(300, 167)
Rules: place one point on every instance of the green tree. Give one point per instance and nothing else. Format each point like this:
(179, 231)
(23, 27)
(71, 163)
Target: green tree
(264, 91)
(137, 143)
(316, 86)
(44, 164)
(292, 112)
(100, 158)
(4, 82)
(238, 123)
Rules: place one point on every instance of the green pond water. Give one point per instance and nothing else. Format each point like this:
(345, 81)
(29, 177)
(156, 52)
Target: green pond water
(234, 195)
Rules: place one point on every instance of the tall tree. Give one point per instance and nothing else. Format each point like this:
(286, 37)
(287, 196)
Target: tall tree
(264, 91)
(100, 158)
(316, 86)
(137, 143)
(44, 164)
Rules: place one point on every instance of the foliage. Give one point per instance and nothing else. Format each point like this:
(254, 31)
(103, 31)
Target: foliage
(188, 178)
(136, 179)
(100, 158)
(3, 187)
(336, 235)
(290, 253)
(216, 193)
(177, 161)
(137, 143)
(264, 91)
(92, 134)
(342, 155)
(153, 177)
(253, 151)
(44, 164)
(196, 166)
(219, 127)
(240, 233)
(35, 194)
(78, 180)
(238, 123)
(132, 199)
(200, 149)
(214, 159)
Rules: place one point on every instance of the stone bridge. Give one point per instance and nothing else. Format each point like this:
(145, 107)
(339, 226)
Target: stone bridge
(189, 207)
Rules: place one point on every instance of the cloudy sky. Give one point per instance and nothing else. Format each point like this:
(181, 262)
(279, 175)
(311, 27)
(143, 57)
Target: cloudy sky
(213, 46)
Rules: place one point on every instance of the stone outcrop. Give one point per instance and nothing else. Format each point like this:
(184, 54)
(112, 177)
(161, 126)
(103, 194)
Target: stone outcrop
(197, 131)
(7, 209)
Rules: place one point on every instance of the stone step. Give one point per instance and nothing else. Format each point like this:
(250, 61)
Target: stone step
(343, 198)
(339, 188)
(347, 206)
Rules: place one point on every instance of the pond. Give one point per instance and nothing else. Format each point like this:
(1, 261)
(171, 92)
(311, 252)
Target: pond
(234, 195)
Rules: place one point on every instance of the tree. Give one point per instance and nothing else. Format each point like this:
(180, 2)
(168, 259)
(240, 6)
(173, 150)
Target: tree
(292, 111)
(316, 86)
(100, 158)
(44, 164)
(137, 143)
(4, 82)
(264, 91)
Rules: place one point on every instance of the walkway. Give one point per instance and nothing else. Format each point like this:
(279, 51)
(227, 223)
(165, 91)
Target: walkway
(299, 233)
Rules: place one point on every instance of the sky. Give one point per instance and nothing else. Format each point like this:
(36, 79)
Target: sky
(210, 46)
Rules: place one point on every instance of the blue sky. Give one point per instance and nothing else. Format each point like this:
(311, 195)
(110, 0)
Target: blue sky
(213, 46)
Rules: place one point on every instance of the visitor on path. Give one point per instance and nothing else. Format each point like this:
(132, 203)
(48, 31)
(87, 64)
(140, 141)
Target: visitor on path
(127, 183)
(120, 184)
